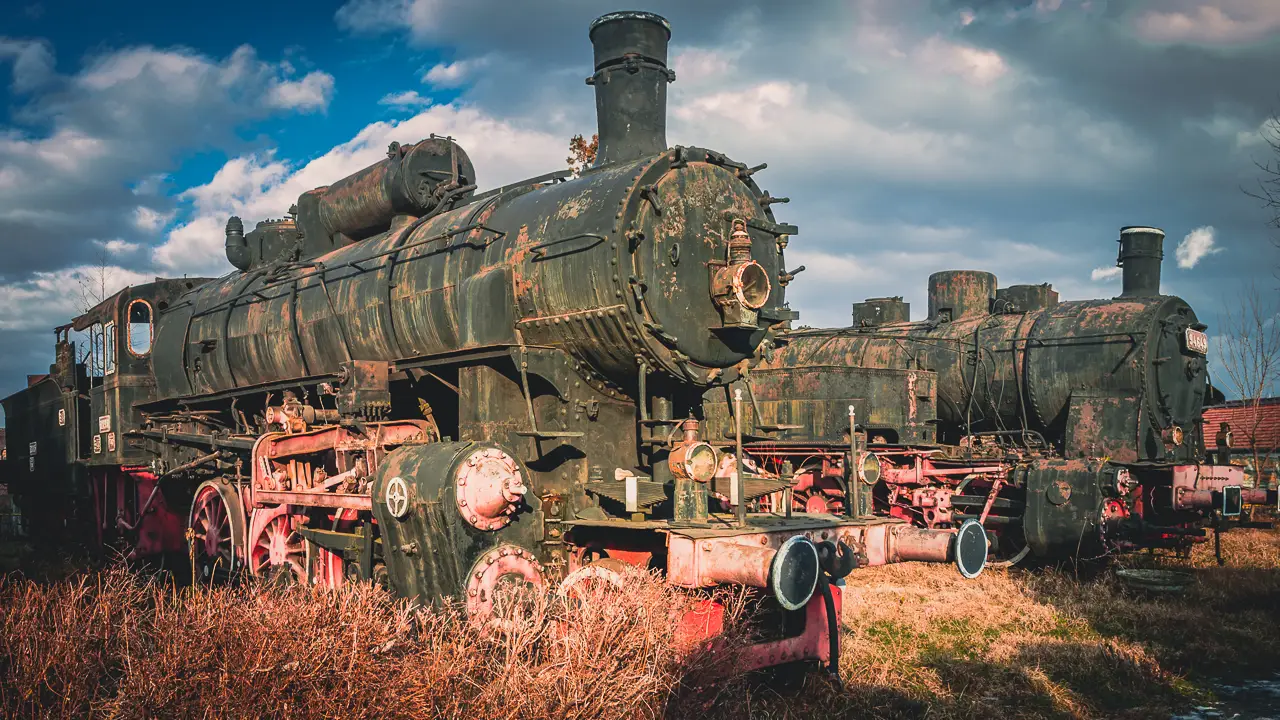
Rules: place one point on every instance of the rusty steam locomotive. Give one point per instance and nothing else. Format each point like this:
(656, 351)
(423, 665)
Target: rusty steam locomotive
(446, 390)
(1068, 428)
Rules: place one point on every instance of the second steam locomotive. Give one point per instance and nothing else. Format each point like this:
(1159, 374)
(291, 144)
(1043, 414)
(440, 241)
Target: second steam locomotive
(1069, 429)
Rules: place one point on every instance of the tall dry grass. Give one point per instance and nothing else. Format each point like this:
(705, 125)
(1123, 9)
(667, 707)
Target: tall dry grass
(113, 644)
(917, 641)
(920, 641)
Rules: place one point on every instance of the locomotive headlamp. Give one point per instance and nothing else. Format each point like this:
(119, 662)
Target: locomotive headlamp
(1124, 481)
(694, 461)
(1174, 436)
(740, 286)
(750, 285)
(793, 574)
(869, 468)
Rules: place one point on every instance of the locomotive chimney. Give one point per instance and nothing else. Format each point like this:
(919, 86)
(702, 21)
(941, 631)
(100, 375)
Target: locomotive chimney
(630, 79)
(237, 246)
(1141, 250)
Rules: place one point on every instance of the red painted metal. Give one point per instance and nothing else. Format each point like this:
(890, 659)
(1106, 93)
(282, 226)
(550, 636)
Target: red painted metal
(744, 559)
(488, 488)
(275, 546)
(320, 500)
(812, 644)
(211, 530)
(501, 565)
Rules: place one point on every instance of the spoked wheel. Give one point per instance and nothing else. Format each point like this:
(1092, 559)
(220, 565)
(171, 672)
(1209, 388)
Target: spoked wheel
(590, 581)
(217, 526)
(278, 551)
(815, 502)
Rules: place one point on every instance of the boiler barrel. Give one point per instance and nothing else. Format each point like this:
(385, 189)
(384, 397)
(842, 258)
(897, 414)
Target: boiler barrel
(612, 267)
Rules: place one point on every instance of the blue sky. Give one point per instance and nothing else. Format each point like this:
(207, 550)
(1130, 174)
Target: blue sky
(1015, 136)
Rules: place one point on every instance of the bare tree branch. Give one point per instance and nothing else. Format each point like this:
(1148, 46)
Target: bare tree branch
(1250, 351)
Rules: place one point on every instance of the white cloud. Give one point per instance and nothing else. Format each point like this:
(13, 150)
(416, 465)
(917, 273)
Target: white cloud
(32, 62)
(118, 246)
(454, 74)
(694, 65)
(974, 65)
(1104, 274)
(421, 17)
(48, 299)
(149, 220)
(1211, 22)
(406, 99)
(1197, 245)
(259, 186)
(115, 128)
(312, 92)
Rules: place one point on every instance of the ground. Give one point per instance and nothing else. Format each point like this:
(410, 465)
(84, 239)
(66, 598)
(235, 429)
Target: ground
(918, 641)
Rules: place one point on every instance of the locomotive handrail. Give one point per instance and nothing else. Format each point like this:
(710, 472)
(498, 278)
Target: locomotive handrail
(321, 268)
(539, 252)
(557, 176)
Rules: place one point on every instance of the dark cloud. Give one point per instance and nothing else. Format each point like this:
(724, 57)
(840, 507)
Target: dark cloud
(1011, 135)
(912, 135)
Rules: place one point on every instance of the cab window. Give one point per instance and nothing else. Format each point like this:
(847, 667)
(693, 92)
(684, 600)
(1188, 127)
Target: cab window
(139, 327)
(95, 351)
(108, 348)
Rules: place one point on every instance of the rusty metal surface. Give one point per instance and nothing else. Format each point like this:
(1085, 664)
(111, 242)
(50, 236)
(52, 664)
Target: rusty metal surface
(955, 294)
(804, 397)
(1021, 370)
(591, 265)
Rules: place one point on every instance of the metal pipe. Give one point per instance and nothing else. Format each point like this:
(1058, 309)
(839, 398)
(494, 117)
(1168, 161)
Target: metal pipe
(122, 524)
(630, 80)
(908, 543)
(855, 486)
(1199, 499)
(739, 480)
(1141, 251)
(737, 564)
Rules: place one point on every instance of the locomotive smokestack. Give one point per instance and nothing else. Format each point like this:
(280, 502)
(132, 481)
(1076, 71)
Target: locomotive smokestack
(630, 79)
(1141, 250)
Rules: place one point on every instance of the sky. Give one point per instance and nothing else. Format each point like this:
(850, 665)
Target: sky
(1015, 136)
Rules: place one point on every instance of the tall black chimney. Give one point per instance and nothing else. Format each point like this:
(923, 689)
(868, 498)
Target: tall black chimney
(631, 84)
(1141, 250)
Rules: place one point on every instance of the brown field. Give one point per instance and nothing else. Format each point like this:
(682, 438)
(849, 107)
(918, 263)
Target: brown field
(919, 641)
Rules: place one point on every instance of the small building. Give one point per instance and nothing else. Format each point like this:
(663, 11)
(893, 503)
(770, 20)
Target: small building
(1250, 424)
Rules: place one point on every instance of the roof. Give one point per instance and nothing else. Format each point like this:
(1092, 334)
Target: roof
(1240, 415)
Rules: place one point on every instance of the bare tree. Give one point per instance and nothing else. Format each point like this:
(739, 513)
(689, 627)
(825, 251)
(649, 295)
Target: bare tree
(582, 153)
(1268, 190)
(1250, 350)
(92, 284)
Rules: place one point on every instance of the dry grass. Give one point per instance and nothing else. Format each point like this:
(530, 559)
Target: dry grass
(112, 644)
(918, 641)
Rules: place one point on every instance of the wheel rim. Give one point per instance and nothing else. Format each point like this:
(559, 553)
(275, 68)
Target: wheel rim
(279, 551)
(212, 540)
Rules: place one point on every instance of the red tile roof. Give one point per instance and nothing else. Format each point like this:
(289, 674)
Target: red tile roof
(1241, 416)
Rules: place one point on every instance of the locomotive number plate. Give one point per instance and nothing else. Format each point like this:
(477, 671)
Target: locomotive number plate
(104, 423)
(1197, 342)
